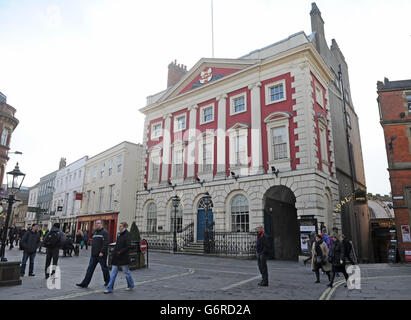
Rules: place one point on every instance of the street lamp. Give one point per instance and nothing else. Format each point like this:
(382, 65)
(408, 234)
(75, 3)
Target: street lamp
(14, 181)
(176, 203)
(207, 203)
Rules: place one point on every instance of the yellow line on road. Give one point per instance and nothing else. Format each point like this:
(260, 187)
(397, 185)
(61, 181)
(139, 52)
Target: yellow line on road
(80, 294)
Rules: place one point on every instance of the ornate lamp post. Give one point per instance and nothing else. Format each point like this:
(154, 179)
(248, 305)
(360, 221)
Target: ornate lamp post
(207, 203)
(176, 203)
(14, 181)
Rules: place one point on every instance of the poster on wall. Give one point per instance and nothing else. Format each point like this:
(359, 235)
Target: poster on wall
(305, 238)
(405, 230)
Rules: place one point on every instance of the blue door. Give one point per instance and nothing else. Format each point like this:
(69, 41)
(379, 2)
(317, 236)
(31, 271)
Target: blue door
(201, 222)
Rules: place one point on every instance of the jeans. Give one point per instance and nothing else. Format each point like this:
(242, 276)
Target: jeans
(52, 253)
(92, 266)
(24, 262)
(262, 266)
(114, 272)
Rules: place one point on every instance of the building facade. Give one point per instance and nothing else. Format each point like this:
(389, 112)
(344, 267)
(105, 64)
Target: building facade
(347, 142)
(45, 200)
(258, 134)
(394, 103)
(32, 203)
(8, 123)
(68, 187)
(109, 188)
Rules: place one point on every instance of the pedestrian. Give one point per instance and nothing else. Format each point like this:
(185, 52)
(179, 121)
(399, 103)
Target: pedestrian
(349, 250)
(12, 236)
(336, 257)
(52, 242)
(68, 244)
(30, 243)
(262, 251)
(78, 240)
(325, 237)
(319, 254)
(311, 241)
(22, 233)
(99, 251)
(85, 234)
(121, 258)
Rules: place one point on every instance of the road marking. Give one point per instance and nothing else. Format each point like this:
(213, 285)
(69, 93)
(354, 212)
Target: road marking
(240, 283)
(80, 294)
(327, 294)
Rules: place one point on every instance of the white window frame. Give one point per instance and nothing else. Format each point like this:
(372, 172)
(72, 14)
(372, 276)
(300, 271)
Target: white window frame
(151, 218)
(202, 110)
(110, 167)
(204, 139)
(272, 85)
(233, 133)
(102, 168)
(284, 121)
(322, 132)
(232, 105)
(176, 129)
(153, 131)
(100, 199)
(154, 154)
(4, 136)
(319, 95)
(178, 146)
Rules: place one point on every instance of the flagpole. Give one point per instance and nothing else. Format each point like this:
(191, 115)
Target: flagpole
(212, 30)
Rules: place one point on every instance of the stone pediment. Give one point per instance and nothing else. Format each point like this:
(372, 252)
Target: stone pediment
(206, 71)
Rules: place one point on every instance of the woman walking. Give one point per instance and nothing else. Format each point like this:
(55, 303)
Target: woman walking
(337, 258)
(319, 254)
(121, 258)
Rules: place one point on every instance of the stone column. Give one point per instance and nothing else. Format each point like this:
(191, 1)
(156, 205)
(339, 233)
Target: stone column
(166, 149)
(191, 148)
(256, 142)
(221, 136)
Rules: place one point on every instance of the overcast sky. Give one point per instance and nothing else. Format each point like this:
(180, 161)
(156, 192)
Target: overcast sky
(78, 71)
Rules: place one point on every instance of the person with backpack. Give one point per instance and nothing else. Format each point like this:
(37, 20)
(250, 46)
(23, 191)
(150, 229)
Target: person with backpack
(52, 242)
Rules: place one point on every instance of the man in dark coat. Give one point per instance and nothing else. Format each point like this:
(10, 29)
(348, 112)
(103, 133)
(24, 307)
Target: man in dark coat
(12, 235)
(336, 256)
(52, 242)
(30, 243)
(262, 252)
(99, 251)
(121, 258)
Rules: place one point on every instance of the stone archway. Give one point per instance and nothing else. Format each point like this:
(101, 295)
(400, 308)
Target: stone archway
(281, 224)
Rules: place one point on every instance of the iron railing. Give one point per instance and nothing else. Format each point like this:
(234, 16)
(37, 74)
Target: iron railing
(164, 240)
(236, 244)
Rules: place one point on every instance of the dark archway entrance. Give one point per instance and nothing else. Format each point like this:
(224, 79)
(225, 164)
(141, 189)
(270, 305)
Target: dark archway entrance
(281, 224)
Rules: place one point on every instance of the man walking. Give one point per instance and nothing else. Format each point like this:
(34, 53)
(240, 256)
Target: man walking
(52, 242)
(30, 242)
(262, 251)
(85, 233)
(99, 251)
(121, 258)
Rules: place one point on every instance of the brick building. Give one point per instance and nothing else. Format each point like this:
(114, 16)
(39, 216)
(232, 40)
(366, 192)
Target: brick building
(394, 103)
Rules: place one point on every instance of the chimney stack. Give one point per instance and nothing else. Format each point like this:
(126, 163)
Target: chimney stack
(62, 163)
(175, 73)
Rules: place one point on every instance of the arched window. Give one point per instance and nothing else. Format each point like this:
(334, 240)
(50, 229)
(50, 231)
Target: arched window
(239, 214)
(179, 218)
(152, 217)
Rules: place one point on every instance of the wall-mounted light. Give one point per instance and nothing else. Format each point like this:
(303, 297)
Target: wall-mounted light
(275, 171)
(235, 176)
(200, 181)
(171, 185)
(390, 143)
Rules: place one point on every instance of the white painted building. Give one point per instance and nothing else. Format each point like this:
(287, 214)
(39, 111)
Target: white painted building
(110, 185)
(68, 183)
(33, 195)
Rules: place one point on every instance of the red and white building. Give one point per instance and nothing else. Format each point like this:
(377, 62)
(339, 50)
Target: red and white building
(255, 132)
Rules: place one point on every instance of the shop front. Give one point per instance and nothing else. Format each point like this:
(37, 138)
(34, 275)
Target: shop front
(109, 223)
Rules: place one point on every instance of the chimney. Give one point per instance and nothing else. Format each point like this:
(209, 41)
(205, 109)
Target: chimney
(317, 26)
(62, 163)
(175, 73)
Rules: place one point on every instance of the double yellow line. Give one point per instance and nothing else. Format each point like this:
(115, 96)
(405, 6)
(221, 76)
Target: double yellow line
(327, 294)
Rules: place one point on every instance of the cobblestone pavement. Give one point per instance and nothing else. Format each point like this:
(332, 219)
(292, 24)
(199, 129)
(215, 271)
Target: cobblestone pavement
(188, 277)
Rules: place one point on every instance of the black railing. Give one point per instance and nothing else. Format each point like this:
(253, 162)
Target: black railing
(239, 244)
(164, 240)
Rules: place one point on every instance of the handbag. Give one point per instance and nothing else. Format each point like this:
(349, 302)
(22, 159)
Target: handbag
(82, 243)
(319, 260)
